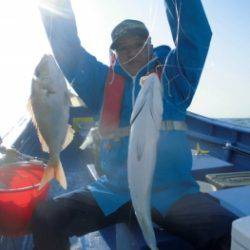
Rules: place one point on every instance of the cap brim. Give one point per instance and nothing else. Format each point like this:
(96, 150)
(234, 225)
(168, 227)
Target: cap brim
(135, 32)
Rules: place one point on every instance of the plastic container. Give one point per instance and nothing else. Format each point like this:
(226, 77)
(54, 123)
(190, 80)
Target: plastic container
(241, 234)
(19, 196)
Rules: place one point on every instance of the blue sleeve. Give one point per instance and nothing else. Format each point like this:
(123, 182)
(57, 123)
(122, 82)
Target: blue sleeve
(82, 70)
(191, 34)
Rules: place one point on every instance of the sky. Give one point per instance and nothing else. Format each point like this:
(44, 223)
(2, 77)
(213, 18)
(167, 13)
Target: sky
(224, 87)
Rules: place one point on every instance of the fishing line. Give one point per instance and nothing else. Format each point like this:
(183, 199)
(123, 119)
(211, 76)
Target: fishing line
(28, 139)
(147, 40)
(19, 123)
(182, 30)
(177, 16)
(152, 17)
(141, 49)
(23, 119)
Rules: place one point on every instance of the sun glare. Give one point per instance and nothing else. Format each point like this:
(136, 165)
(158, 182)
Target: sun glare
(24, 41)
(55, 9)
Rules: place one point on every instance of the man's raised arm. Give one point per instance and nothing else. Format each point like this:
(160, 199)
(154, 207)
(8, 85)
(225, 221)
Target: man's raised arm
(191, 34)
(86, 74)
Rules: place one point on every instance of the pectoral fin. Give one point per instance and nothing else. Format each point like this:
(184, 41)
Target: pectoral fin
(69, 137)
(76, 101)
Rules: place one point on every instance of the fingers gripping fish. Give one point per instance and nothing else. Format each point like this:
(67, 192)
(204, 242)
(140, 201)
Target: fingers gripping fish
(145, 126)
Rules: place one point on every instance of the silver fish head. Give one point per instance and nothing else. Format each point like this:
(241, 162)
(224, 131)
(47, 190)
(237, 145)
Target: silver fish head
(48, 69)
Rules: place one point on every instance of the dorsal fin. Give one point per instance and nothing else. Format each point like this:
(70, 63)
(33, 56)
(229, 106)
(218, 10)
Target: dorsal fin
(69, 137)
(76, 101)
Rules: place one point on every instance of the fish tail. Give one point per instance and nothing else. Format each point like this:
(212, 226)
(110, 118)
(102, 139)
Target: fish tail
(145, 222)
(54, 170)
(60, 175)
(48, 175)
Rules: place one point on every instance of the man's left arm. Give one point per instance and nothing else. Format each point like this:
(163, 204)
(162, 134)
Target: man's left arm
(191, 34)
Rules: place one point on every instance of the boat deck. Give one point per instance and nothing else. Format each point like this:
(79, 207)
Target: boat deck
(120, 236)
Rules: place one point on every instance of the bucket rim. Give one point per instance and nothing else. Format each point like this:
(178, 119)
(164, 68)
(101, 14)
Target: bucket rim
(38, 163)
(20, 163)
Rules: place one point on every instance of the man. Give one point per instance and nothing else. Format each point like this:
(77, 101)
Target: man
(110, 93)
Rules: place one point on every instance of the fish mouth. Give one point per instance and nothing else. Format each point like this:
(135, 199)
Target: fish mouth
(42, 66)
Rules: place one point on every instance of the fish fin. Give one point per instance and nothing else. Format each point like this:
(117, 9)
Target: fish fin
(44, 145)
(69, 137)
(54, 170)
(76, 101)
(48, 175)
(60, 175)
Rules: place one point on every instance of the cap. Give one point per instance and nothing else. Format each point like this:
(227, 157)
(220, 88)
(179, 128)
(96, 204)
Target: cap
(128, 27)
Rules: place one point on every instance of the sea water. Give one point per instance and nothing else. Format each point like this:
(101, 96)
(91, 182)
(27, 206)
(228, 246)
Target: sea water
(242, 122)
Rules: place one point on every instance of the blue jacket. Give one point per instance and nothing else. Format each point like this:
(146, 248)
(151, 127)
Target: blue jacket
(181, 73)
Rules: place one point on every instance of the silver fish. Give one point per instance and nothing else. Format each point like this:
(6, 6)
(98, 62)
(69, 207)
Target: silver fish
(145, 122)
(49, 106)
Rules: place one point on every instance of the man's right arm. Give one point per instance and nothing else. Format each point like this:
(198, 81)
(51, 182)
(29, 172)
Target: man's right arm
(81, 69)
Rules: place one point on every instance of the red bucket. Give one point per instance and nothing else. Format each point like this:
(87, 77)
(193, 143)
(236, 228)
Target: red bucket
(19, 196)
